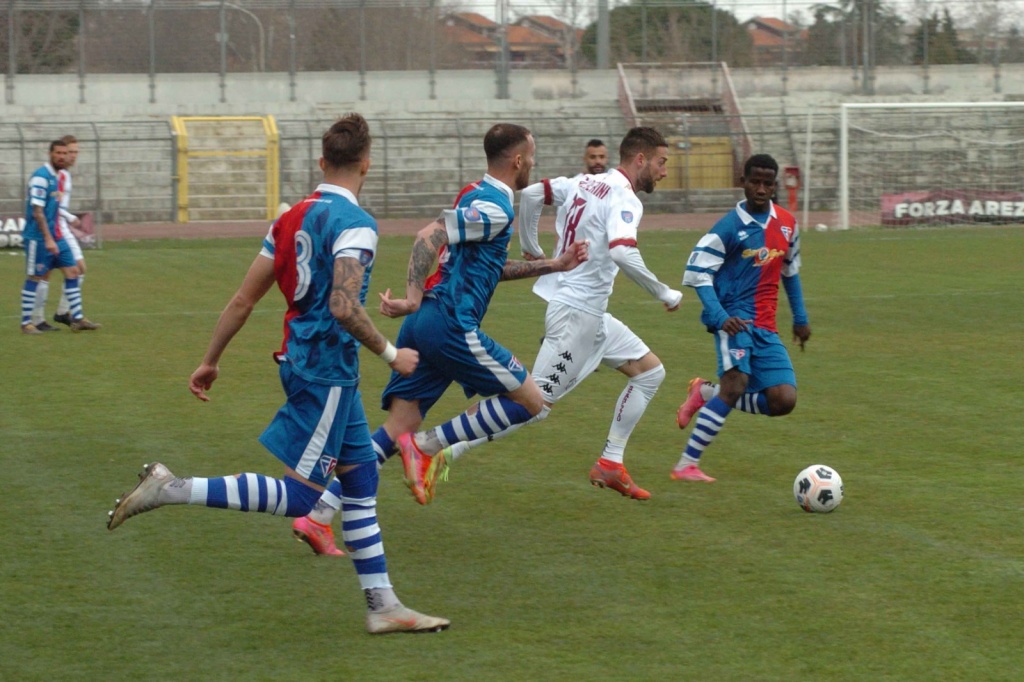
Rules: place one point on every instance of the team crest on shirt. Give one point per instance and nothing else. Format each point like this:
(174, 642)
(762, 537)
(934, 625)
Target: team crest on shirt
(365, 257)
(327, 464)
(514, 365)
(737, 353)
(472, 215)
(627, 216)
(787, 232)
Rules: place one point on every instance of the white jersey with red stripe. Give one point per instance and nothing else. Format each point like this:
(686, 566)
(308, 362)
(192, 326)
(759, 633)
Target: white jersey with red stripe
(602, 209)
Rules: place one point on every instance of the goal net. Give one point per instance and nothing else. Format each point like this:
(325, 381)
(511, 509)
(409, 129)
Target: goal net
(931, 164)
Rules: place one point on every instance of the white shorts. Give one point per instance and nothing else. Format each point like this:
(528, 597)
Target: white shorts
(575, 343)
(72, 241)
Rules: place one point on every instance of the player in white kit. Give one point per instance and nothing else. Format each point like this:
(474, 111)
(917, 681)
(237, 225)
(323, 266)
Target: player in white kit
(579, 334)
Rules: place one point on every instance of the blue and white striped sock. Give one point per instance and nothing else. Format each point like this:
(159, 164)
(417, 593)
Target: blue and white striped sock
(383, 446)
(359, 528)
(74, 293)
(710, 420)
(488, 418)
(753, 403)
(28, 300)
(253, 493)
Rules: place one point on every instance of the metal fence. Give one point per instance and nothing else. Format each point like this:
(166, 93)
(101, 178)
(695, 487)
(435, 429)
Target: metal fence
(290, 37)
(126, 171)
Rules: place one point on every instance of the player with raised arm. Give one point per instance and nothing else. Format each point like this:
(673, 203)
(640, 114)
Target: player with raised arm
(735, 270)
(579, 333)
(320, 253)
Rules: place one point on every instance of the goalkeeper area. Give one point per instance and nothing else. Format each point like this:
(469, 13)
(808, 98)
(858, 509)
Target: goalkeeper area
(931, 164)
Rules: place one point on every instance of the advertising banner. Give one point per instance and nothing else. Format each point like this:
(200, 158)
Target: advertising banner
(952, 207)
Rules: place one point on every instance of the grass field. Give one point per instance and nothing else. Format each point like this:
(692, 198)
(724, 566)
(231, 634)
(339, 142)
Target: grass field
(910, 388)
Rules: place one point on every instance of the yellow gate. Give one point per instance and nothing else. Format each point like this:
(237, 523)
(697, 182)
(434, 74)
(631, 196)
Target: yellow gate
(227, 167)
(699, 163)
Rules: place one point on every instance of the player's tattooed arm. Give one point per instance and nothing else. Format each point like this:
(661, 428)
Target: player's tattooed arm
(577, 253)
(428, 244)
(424, 254)
(346, 308)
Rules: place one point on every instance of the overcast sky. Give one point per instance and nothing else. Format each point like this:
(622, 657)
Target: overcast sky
(746, 9)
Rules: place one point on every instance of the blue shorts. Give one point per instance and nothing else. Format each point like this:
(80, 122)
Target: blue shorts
(478, 363)
(759, 354)
(318, 428)
(39, 261)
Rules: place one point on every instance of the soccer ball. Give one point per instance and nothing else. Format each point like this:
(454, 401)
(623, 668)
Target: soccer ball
(821, 227)
(818, 488)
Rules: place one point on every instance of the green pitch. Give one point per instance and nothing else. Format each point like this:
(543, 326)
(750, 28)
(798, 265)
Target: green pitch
(910, 388)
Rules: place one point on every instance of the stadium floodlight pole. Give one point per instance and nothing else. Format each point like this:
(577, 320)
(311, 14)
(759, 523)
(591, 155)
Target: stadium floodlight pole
(12, 56)
(785, 51)
(151, 27)
(82, 39)
(291, 51)
(603, 34)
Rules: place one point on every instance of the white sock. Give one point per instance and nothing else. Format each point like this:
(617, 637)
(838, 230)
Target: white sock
(39, 312)
(629, 409)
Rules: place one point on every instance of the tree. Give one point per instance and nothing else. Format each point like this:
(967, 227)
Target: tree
(943, 43)
(45, 42)
(673, 34)
(837, 34)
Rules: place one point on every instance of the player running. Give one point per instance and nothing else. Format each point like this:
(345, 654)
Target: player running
(603, 211)
(735, 270)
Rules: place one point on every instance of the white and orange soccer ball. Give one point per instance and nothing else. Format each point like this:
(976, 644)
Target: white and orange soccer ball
(818, 488)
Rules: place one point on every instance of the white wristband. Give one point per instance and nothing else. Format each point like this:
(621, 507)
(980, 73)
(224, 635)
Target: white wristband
(389, 353)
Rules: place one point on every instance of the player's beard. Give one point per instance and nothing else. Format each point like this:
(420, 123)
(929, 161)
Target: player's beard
(523, 177)
(645, 180)
(596, 169)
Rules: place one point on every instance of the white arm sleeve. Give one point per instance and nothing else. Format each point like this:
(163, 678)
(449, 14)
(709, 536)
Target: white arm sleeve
(531, 202)
(628, 258)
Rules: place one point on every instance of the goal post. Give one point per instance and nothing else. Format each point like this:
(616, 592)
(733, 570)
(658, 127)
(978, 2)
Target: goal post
(904, 164)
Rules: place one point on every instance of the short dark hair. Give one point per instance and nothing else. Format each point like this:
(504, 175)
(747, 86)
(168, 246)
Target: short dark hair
(595, 143)
(640, 140)
(69, 139)
(57, 143)
(347, 141)
(760, 161)
(501, 138)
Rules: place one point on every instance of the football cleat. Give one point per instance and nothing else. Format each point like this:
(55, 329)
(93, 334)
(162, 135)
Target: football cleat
(403, 619)
(690, 472)
(45, 326)
(694, 401)
(84, 325)
(605, 474)
(421, 470)
(317, 535)
(30, 329)
(143, 497)
(62, 318)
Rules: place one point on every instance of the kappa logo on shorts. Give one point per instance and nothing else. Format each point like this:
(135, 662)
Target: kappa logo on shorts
(327, 464)
(627, 216)
(514, 365)
(738, 353)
